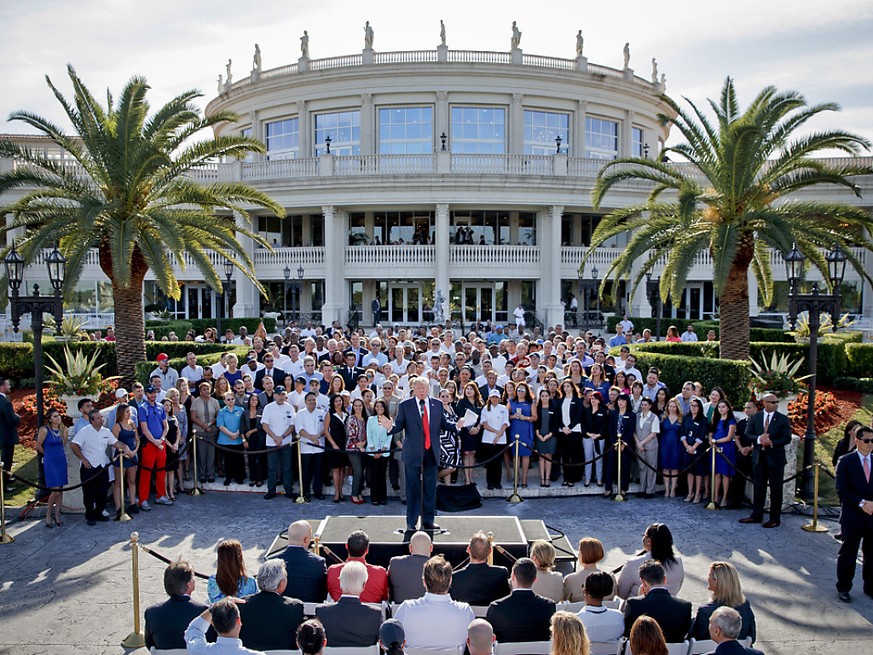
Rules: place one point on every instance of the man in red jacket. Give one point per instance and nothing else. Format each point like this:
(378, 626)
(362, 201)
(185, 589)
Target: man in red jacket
(376, 589)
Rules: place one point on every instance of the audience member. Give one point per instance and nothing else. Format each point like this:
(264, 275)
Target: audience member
(480, 583)
(646, 638)
(392, 638)
(435, 621)
(855, 488)
(724, 583)
(231, 577)
(349, 622)
(165, 623)
(602, 623)
(480, 637)
(224, 617)
(672, 614)
(405, 571)
(724, 629)
(568, 635)
(269, 619)
(549, 583)
(590, 553)
(308, 581)
(311, 638)
(376, 589)
(658, 544)
(523, 615)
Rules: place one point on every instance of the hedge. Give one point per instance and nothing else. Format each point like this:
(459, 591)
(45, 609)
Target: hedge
(693, 349)
(860, 359)
(701, 328)
(16, 360)
(143, 369)
(163, 329)
(732, 375)
(864, 385)
(200, 324)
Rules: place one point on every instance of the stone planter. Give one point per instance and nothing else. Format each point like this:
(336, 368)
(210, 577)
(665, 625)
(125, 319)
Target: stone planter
(785, 402)
(72, 403)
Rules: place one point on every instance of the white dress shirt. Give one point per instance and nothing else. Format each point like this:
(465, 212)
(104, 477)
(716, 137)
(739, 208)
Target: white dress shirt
(279, 418)
(313, 423)
(93, 444)
(601, 623)
(196, 644)
(434, 621)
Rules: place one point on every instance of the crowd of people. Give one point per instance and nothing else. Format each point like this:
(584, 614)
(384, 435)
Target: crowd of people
(434, 606)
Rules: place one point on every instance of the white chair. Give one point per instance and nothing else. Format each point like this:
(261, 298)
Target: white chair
(572, 607)
(309, 609)
(457, 650)
(605, 647)
(392, 608)
(479, 611)
(699, 646)
(352, 650)
(168, 651)
(523, 648)
(614, 604)
(678, 649)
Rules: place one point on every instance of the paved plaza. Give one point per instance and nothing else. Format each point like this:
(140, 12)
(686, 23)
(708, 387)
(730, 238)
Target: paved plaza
(67, 590)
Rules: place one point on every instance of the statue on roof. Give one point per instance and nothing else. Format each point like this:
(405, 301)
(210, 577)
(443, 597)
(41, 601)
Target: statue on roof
(627, 55)
(654, 71)
(442, 33)
(516, 36)
(304, 45)
(256, 60)
(229, 75)
(580, 43)
(368, 36)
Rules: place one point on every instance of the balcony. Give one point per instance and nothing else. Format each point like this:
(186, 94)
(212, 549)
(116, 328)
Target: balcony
(271, 265)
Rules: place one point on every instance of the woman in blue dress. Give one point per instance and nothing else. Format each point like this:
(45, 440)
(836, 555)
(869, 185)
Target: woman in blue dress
(671, 447)
(521, 420)
(125, 431)
(597, 381)
(695, 438)
(724, 435)
(50, 442)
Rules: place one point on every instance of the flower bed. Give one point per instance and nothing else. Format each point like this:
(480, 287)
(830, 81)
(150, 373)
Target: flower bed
(830, 411)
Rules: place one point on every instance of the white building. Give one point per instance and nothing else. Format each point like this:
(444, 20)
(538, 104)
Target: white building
(381, 158)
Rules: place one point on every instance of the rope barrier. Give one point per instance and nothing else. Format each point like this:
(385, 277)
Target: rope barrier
(167, 560)
(69, 488)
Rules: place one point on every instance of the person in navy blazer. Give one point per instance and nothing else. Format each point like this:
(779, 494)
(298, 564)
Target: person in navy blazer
(274, 372)
(165, 622)
(855, 489)
(421, 466)
(308, 573)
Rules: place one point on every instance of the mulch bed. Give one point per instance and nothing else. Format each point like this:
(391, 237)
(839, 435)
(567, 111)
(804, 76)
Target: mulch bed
(24, 403)
(834, 407)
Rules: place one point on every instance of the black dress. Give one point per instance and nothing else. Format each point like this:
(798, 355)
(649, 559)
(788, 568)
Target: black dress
(469, 442)
(336, 457)
(692, 431)
(173, 437)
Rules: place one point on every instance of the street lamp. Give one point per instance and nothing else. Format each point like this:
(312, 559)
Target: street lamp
(653, 290)
(814, 303)
(286, 273)
(299, 285)
(228, 274)
(558, 143)
(327, 143)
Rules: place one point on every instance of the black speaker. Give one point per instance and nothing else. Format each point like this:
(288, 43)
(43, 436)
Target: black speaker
(457, 499)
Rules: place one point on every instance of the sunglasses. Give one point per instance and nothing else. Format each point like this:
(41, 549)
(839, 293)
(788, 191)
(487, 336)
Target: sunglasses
(866, 440)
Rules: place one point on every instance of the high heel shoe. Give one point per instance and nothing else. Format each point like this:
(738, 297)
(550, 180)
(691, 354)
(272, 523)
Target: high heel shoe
(688, 498)
(49, 526)
(57, 521)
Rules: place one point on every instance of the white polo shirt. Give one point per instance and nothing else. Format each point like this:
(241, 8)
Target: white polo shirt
(313, 423)
(279, 418)
(496, 417)
(93, 444)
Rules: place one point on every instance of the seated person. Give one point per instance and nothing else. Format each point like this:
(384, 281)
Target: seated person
(224, 617)
(309, 573)
(349, 622)
(480, 583)
(376, 589)
(521, 616)
(270, 619)
(549, 583)
(724, 629)
(603, 624)
(724, 583)
(435, 621)
(658, 546)
(405, 571)
(590, 553)
(671, 613)
(311, 638)
(165, 622)
(480, 637)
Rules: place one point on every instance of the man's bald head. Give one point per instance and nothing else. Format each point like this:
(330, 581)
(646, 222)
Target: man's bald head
(480, 637)
(421, 544)
(299, 533)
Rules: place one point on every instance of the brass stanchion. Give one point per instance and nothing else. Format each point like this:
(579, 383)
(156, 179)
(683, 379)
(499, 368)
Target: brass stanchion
(300, 497)
(4, 538)
(813, 526)
(711, 504)
(135, 639)
(490, 548)
(195, 490)
(123, 517)
(619, 446)
(515, 498)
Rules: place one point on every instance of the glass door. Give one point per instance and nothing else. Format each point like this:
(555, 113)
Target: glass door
(405, 300)
(479, 302)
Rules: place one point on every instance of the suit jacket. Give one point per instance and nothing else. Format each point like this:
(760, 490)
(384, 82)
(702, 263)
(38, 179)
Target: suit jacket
(409, 419)
(270, 621)
(671, 613)
(404, 577)
(376, 589)
(349, 622)
(360, 353)
(350, 376)
(480, 584)
(9, 424)
(276, 373)
(852, 487)
(484, 391)
(780, 435)
(307, 575)
(700, 629)
(165, 623)
(521, 616)
(733, 648)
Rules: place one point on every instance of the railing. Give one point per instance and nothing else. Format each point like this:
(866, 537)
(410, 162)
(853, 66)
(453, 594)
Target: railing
(406, 57)
(494, 255)
(344, 61)
(548, 62)
(390, 255)
(279, 169)
(584, 167)
(384, 164)
(605, 70)
(282, 71)
(478, 57)
(503, 164)
(291, 257)
(601, 257)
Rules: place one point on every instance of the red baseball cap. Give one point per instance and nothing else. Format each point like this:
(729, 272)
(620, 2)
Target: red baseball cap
(162, 357)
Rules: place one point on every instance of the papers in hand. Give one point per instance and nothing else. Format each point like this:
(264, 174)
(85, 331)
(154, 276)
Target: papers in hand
(469, 419)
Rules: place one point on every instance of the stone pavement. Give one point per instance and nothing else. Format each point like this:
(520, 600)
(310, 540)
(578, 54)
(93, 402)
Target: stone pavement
(67, 590)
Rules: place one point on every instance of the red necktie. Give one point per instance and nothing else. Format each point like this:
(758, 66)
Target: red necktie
(426, 425)
(867, 467)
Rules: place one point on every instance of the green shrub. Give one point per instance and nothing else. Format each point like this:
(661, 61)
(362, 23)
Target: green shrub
(106, 358)
(847, 336)
(864, 385)
(701, 328)
(860, 359)
(163, 328)
(16, 361)
(178, 349)
(731, 375)
(693, 349)
(771, 335)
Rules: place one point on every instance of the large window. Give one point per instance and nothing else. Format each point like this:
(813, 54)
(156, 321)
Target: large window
(398, 228)
(406, 131)
(478, 130)
(637, 142)
(246, 133)
(601, 138)
(344, 130)
(540, 130)
(283, 139)
(486, 228)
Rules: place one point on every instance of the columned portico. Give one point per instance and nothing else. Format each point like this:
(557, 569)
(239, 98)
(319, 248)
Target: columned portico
(335, 306)
(442, 253)
(551, 280)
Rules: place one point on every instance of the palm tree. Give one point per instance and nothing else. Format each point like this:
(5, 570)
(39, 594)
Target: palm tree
(131, 195)
(731, 201)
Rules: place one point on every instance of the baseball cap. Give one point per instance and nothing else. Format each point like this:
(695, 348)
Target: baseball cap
(279, 389)
(151, 389)
(391, 631)
(121, 393)
(162, 357)
(494, 392)
(300, 379)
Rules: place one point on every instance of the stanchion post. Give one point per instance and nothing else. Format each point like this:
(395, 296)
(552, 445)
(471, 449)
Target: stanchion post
(123, 517)
(300, 497)
(4, 538)
(814, 526)
(195, 490)
(515, 498)
(619, 497)
(711, 505)
(135, 639)
(491, 548)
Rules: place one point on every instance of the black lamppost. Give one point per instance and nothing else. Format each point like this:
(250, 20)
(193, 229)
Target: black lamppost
(646, 150)
(327, 141)
(653, 290)
(594, 280)
(814, 303)
(228, 274)
(36, 305)
(443, 138)
(286, 273)
(299, 286)
(558, 144)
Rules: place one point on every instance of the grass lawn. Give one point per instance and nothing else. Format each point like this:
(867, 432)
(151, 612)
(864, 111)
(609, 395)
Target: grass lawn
(24, 467)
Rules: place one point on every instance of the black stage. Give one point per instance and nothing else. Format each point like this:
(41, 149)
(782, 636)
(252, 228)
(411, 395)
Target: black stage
(386, 541)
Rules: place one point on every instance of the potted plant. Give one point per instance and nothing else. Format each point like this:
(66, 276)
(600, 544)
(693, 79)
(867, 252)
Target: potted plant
(80, 377)
(71, 328)
(777, 376)
(801, 331)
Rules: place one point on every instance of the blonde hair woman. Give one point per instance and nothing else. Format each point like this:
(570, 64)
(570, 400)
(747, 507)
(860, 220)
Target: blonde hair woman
(724, 583)
(549, 583)
(568, 635)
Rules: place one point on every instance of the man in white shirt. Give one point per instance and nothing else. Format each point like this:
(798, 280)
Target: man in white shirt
(626, 324)
(219, 367)
(192, 372)
(294, 365)
(435, 621)
(518, 312)
(224, 617)
(168, 375)
(309, 424)
(375, 354)
(601, 623)
(689, 335)
(278, 423)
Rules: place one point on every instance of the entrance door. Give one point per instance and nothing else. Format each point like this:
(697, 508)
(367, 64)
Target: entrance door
(405, 304)
(691, 306)
(478, 302)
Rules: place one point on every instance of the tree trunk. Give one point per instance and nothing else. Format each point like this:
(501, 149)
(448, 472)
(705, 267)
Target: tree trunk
(734, 306)
(129, 314)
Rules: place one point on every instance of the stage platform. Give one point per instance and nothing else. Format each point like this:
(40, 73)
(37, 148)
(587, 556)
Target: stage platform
(389, 539)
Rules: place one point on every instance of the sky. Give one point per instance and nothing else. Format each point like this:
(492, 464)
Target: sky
(821, 49)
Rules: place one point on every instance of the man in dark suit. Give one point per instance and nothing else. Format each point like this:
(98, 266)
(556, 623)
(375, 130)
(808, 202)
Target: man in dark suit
(724, 626)
(269, 619)
(522, 615)
(671, 613)
(356, 349)
(855, 488)
(768, 432)
(349, 622)
(308, 580)
(269, 371)
(422, 418)
(743, 461)
(480, 583)
(405, 571)
(8, 431)
(165, 622)
(350, 371)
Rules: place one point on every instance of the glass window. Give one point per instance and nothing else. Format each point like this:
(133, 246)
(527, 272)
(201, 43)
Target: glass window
(527, 230)
(478, 130)
(398, 228)
(344, 130)
(357, 230)
(483, 228)
(316, 225)
(637, 142)
(601, 138)
(283, 139)
(406, 131)
(540, 130)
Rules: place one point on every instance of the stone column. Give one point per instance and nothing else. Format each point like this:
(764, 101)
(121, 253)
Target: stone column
(304, 143)
(551, 264)
(625, 138)
(248, 298)
(257, 133)
(516, 124)
(334, 258)
(368, 125)
(577, 136)
(753, 293)
(441, 276)
(442, 120)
